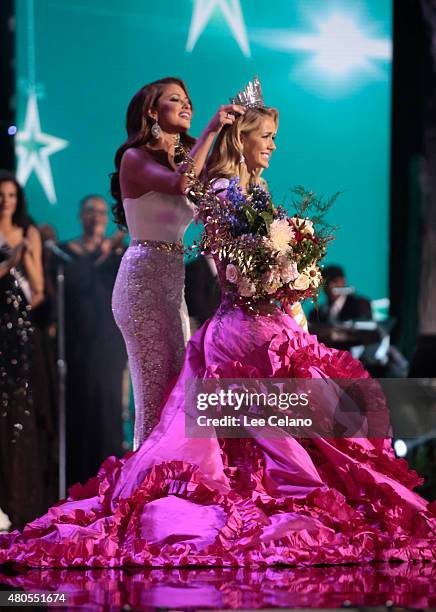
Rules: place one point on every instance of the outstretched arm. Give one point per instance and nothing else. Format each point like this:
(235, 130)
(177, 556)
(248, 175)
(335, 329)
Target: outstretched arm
(225, 115)
(141, 173)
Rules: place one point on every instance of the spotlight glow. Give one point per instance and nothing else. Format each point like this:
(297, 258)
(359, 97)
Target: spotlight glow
(341, 47)
(12, 130)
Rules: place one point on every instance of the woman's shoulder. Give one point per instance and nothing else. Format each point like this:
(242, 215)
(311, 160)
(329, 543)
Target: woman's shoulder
(220, 185)
(137, 157)
(134, 155)
(219, 182)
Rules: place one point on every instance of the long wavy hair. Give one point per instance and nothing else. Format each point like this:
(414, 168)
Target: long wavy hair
(224, 160)
(138, 126)
(20, 217)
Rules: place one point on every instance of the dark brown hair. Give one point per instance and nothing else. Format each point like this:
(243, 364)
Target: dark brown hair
(138, 126)
(20, 216)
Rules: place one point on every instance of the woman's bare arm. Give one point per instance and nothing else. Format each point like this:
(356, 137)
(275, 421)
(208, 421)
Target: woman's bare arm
(225, 115)
(12, 261)
(32, 260)
(140, 173)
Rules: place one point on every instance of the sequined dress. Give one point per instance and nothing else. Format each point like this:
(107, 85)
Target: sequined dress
(148, 300)
(21, 470)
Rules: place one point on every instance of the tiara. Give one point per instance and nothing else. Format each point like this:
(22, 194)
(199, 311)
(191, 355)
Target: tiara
(250, 96)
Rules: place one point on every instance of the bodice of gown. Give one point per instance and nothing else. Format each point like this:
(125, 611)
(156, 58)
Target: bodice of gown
(158, 216)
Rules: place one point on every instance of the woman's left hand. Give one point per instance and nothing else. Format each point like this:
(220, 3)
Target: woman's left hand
(225, 115)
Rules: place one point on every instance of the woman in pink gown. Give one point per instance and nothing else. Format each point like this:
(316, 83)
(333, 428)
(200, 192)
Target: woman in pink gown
(252, 501)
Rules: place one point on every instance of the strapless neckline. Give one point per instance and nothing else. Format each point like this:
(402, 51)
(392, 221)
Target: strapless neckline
(158, 216)
(143, 195)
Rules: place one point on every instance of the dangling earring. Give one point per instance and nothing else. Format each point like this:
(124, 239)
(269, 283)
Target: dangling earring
(156, 130)
(177, 140)
(242, 159)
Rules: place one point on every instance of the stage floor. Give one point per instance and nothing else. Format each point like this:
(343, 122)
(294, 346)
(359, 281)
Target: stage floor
(355, 586)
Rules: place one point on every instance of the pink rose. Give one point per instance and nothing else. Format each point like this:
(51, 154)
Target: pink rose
(289, 271)
(232, 274)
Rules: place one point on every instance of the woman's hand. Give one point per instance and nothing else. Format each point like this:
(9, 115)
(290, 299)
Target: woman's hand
(297, 313)
(225, 115)
(16, 255)
(110, 245)
(12, 261)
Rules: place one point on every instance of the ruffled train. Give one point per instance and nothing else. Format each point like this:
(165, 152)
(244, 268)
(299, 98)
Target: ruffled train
(180, 501)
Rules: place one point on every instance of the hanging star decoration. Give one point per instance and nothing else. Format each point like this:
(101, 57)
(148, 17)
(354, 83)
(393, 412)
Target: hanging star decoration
(232, 12)
(33, 149)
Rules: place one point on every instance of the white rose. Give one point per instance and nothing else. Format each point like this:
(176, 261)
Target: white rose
(301, 283)
(232, 274)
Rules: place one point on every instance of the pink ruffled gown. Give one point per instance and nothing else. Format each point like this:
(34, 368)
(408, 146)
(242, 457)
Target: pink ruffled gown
(178, 501)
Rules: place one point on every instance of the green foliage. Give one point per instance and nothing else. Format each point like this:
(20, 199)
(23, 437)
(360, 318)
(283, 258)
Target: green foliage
(316, 208)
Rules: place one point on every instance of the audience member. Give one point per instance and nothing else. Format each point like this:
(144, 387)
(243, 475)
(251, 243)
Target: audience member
(95, 352)
(27, 380)
(342, 304)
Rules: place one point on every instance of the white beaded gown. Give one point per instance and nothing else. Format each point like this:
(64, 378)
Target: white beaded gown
(148, 300)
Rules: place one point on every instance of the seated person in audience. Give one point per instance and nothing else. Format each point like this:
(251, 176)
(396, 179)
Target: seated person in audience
(341, 305)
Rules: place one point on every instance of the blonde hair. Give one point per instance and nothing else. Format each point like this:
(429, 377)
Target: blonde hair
(224, 160)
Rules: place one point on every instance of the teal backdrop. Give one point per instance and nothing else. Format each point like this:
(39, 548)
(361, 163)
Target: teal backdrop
(326, 65)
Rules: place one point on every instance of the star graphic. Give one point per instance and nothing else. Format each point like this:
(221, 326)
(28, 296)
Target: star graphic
(232, 12)
(33, 149)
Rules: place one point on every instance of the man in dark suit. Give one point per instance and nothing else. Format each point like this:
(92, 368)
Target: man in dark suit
(341, 306)
(202, 290)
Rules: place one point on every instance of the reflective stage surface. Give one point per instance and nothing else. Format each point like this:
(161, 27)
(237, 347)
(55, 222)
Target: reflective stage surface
(405, 585)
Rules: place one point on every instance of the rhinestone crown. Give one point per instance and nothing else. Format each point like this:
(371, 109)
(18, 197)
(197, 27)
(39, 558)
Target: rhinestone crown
(251, 96)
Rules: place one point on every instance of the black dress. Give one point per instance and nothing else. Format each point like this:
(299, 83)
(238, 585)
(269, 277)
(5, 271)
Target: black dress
(96, 363)
(22, 487)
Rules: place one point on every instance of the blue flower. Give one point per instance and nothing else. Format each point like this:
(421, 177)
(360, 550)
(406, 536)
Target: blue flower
(281, 212)
(234, 193)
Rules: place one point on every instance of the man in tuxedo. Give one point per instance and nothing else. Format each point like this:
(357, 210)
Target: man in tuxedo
(340, 306)
(202, 290)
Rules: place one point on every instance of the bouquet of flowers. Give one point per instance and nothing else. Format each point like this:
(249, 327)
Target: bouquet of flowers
(266, 254)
